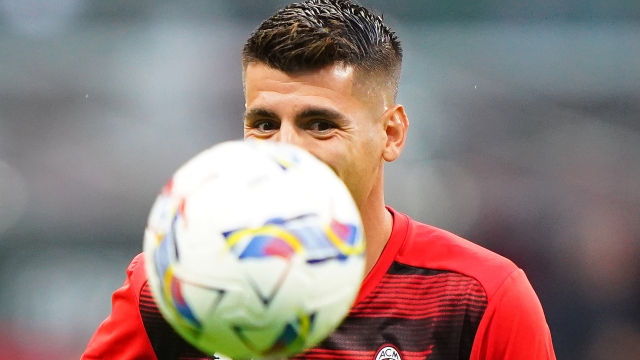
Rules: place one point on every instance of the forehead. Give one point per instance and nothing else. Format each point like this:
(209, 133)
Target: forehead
(265, 83)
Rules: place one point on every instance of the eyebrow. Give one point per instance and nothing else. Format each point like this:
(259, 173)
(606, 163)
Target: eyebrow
(260, 113)
(324, 113)
(312, 112)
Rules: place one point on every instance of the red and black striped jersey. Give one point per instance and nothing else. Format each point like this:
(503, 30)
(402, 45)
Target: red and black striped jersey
(422, 313)
(431, 295)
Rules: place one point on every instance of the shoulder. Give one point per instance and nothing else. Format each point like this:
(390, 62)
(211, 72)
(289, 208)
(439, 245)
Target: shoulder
(429, 247)
(136, 263)
(136, 274)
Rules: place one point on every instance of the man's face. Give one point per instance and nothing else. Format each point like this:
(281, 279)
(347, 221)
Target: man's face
(322, 112)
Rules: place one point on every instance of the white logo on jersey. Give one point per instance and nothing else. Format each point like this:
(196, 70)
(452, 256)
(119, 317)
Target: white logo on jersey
(388, 353)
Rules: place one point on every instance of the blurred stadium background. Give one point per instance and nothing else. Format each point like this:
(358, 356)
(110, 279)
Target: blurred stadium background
(525, 138)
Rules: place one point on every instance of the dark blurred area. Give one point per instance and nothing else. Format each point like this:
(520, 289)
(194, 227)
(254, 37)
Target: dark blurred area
(525, 138)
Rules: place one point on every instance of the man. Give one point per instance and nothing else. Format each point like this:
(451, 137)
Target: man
(323, 75)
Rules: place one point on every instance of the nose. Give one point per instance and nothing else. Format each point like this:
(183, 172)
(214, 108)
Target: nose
(288, 133)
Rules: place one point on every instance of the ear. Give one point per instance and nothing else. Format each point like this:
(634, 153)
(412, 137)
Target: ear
(396, 125)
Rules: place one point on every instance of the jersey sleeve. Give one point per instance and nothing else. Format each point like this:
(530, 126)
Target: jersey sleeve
(513, 325)
(122, 335)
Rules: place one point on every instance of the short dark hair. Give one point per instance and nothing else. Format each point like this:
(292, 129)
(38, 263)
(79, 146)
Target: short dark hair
(313, 34)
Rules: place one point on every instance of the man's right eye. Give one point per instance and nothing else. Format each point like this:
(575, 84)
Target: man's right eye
(265, 126)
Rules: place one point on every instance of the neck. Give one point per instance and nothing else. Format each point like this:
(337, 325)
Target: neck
(377, 222)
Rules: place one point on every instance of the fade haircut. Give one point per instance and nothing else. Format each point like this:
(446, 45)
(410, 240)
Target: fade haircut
(313, 34)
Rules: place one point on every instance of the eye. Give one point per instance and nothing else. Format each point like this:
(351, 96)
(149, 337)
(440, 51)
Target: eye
(265, 125)
(321, 126)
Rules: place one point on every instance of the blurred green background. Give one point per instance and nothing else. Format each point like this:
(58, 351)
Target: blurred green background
(525, 138)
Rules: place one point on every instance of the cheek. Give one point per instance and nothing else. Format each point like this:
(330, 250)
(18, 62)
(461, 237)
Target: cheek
(338, 157)
(334, 162)
(369, 152)
(356, 171)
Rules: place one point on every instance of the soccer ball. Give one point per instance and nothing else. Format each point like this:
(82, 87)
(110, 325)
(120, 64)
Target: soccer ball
(254, 249)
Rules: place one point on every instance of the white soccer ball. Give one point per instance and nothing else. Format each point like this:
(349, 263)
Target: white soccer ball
(254, 249)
